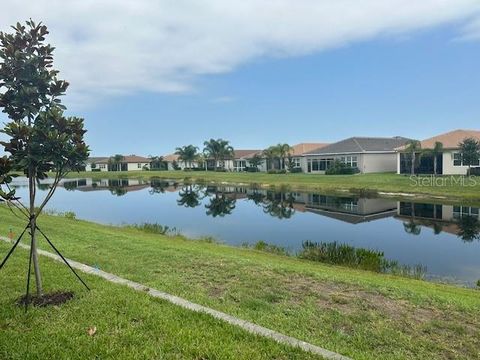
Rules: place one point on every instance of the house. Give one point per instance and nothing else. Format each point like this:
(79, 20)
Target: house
(240, 160)
(449, 161)
(127, 163)
(299, 150)
(368, 154)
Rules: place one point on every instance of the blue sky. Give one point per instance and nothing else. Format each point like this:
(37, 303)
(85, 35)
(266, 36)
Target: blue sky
(413, 80)
(415, 87)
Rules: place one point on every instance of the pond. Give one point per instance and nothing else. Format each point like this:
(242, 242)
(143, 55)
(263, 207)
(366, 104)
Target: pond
(442, 238)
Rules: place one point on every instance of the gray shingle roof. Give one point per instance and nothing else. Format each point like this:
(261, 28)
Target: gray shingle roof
(361, 145)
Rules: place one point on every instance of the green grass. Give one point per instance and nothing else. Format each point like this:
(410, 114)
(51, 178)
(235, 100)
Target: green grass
(361, 183)
(357, 313)
(130, 325)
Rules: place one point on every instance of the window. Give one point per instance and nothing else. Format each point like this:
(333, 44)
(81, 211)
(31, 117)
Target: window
(239, 165)
(349, 160)
(457, 159)
(139, 165)
(296, 162)
(101, 166)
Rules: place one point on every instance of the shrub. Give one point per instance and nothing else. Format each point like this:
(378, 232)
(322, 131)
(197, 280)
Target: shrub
(220, 170)
(95, 170)
(70, 215)
(276, 171)
(266, 247)
(296, 170)
(251, 169)
(474, 171)
(339, 168)
(155, 229)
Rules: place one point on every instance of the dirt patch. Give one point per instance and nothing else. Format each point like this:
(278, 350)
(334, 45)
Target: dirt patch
(349, 300)
(52, 299)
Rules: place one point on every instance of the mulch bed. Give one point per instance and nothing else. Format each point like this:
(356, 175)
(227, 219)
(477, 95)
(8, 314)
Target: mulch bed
(52, 299)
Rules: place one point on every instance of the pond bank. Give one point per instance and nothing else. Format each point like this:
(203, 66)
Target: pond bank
(347, 311)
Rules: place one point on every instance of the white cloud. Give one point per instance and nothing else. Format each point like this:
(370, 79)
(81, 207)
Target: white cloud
(111, 47)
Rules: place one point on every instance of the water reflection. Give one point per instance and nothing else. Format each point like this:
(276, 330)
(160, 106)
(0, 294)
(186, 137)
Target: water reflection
(220, 201)
(462, 221)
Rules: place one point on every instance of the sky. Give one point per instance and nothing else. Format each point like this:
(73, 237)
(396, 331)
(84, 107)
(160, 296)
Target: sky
(151, 75)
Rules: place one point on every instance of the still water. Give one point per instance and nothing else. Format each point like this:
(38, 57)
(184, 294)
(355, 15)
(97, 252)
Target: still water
(443, 238)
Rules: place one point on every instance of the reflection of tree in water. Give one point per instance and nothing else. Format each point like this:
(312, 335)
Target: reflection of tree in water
(117, 190)
(469, 228)
(220, 205)
(118, 187)
(158, 186)
(412, 228)
(279, 205)
(257, 197)
(189, 196)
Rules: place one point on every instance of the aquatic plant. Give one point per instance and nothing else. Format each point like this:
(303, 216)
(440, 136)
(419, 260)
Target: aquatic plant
(361, 258)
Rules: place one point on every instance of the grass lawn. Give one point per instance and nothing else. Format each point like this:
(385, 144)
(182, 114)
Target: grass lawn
(130, 325)
(356, 313)
(380, 182)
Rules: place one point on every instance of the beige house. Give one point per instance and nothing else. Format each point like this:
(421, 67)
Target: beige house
(449, 162)
(367, 154)
(128, 163)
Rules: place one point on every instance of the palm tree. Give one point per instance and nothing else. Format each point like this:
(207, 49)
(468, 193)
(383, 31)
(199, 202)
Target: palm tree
(115, 161)
(270, 153)
(283, 151)
(413, 148)
(435, 152)
(218, 150)
(157, 162)
(187, 154)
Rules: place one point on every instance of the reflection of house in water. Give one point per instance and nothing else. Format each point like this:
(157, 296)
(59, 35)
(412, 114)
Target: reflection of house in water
(447, 218)
(105, 184)
(353, 210)
(349, 209)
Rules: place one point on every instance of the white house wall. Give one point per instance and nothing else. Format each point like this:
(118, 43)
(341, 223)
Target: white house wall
(373, 163)
(448, 168)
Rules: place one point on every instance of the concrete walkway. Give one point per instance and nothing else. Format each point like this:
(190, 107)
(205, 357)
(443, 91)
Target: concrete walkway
(246, 325)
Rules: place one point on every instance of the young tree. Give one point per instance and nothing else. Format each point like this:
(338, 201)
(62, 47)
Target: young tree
(42, 140)
(470, 152)
(255, 161)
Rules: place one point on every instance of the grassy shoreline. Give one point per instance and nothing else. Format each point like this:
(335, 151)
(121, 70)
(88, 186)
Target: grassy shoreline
(383, 184)
(357, 313)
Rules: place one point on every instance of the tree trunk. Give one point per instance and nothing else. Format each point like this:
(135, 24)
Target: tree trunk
(434, 164)
(33, 228)
(413, 163)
